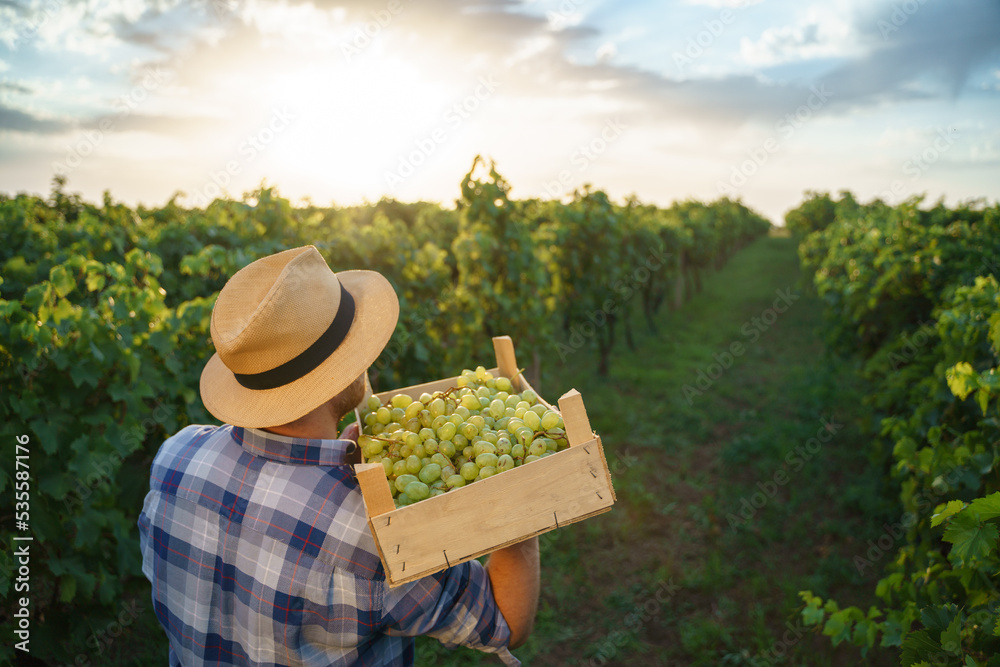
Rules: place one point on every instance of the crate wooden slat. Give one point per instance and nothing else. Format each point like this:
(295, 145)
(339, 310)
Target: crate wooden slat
(468, 522)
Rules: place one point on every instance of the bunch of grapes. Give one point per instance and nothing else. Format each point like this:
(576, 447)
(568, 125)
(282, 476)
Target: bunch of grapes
(455, 437)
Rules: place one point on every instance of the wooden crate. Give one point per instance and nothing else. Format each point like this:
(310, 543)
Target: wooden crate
(476, 519)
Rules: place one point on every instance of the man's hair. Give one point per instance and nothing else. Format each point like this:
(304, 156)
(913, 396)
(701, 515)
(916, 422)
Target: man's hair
(340, 404)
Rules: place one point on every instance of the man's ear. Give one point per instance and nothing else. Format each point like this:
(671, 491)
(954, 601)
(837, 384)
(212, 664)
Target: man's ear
(368, 393)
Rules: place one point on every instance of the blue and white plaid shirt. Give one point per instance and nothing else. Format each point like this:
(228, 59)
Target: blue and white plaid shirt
(258, 550)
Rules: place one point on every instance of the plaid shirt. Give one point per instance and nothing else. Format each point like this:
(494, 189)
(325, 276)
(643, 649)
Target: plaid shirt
(258, 550)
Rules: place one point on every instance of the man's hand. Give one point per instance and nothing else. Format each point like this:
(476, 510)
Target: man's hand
(351, 432)
(514, 575)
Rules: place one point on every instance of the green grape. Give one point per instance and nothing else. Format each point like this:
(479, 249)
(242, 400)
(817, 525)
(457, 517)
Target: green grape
(530, 458)
(424, 462)
(550, 420)
(403, 500)
(447, 431)
(461, 381)
(504, 446)
(463, 412)
(460, 441)
(484, 403)
(483, 392)
(490, 421)
(420, 451)
(447, 471)
(436, 407)
(413, 464)
(556, 433)
(550, 444)
(439, 421)
(483, 446)
(432, 446)
(429, 473)
(425, 398)
(413, 409)
(510, 412)
(370, 419)
(487, 471)
(532, 420)
(426, 434)
(425, 418)
(456, 419)
(469, 470)
(460, 461)
(401, 400)
(468, 430)
(468, 452)
(384, 415)
(448, 447)
(486, 459)
(455, 481)
(449, 405)
(491, 437)
(412, 425)
(504, 463)
(501, 396)
(478, 421)
(524, 434)
(417, 490)
(405, 451)
(470, 402)
(371, 446)
(441, 460)
(537, 448)
(437, 492)
(481, 373)
(387, 466)
(373, 403)
(501, 423)
(398, 469)
(497, 408)
(403, 480)
(529, 396)
(539, 409)
(519, 413)
(412, 439)
(513, 402)
(503, 384)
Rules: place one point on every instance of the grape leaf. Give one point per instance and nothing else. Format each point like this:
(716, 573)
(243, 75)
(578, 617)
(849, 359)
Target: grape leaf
(951, 508)
(987, 508)
(951, 638)
(969, 537)
(62, 280)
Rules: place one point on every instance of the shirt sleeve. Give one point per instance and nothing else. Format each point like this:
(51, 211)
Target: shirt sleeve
(455, 606)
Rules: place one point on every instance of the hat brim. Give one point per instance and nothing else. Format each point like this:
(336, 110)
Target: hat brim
(376, 313)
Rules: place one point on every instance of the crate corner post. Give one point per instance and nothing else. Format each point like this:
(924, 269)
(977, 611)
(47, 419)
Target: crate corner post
(374, 488)
(575, 418)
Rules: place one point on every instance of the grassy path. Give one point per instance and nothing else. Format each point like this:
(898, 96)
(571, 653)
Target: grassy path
(733, 495)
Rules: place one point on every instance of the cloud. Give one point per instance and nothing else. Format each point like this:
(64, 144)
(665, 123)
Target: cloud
(818, 37)
(929, 52)
(24, 121)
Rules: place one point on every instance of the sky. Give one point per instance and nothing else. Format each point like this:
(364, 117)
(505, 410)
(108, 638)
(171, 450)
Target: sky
(344, 102)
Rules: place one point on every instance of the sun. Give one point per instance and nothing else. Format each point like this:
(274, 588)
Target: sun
(351, 122)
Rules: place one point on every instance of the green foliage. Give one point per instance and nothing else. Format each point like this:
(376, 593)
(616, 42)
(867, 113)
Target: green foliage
(105, 328)
(913, 292)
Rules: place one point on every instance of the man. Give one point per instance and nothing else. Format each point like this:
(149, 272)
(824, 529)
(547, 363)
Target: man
(254, 534)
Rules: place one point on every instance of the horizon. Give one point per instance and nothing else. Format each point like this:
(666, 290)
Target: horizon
(346, 103)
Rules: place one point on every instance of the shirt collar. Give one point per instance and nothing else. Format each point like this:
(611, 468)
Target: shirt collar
(286, 449)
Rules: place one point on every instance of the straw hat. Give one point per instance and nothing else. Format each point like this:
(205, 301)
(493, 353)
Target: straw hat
(290, 334)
